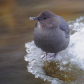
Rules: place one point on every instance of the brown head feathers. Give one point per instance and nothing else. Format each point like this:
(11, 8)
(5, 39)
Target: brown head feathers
(45, 14)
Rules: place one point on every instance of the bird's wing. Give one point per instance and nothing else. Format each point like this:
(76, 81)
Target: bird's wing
(64, 26)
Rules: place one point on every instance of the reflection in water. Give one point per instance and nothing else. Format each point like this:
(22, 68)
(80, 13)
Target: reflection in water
(71, 60)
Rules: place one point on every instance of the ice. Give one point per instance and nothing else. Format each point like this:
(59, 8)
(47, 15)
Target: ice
(73, 54)
(77, 25)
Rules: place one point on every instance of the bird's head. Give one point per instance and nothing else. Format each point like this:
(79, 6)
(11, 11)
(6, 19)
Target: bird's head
(46, 19)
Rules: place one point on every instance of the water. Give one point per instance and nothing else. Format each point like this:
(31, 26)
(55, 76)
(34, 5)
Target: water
(74, 55)
(16, 29)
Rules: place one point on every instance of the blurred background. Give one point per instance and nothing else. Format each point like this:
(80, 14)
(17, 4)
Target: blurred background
(16, 29)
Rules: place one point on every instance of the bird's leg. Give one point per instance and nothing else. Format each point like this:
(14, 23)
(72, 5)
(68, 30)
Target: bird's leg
(46, 55)
(55, 54)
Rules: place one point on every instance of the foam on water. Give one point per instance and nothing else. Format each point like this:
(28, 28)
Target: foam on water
(73, 54)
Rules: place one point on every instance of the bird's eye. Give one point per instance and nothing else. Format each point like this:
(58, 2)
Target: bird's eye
(45, 18)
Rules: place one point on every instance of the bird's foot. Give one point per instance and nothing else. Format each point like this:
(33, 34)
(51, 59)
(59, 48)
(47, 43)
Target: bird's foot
(45, 55)
(54, 55)
(49, 56)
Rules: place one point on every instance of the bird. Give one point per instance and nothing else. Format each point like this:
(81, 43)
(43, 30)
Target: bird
(51, 33)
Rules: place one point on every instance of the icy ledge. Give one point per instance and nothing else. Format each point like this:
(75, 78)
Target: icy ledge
(73, 54)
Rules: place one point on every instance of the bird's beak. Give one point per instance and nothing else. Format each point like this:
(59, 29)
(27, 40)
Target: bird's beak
(33, 18)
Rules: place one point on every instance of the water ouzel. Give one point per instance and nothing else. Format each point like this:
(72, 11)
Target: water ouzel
(51, 32)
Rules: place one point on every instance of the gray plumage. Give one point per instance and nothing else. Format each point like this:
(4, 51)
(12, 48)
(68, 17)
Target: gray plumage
(51, 33)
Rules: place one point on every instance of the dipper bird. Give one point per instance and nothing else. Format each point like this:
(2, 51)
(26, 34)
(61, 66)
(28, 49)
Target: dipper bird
(51, 32)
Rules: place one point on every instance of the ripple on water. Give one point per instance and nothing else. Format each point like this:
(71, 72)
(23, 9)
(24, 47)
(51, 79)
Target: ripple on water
(68, 66)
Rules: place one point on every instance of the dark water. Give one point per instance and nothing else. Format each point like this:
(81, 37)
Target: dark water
(16, 29)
